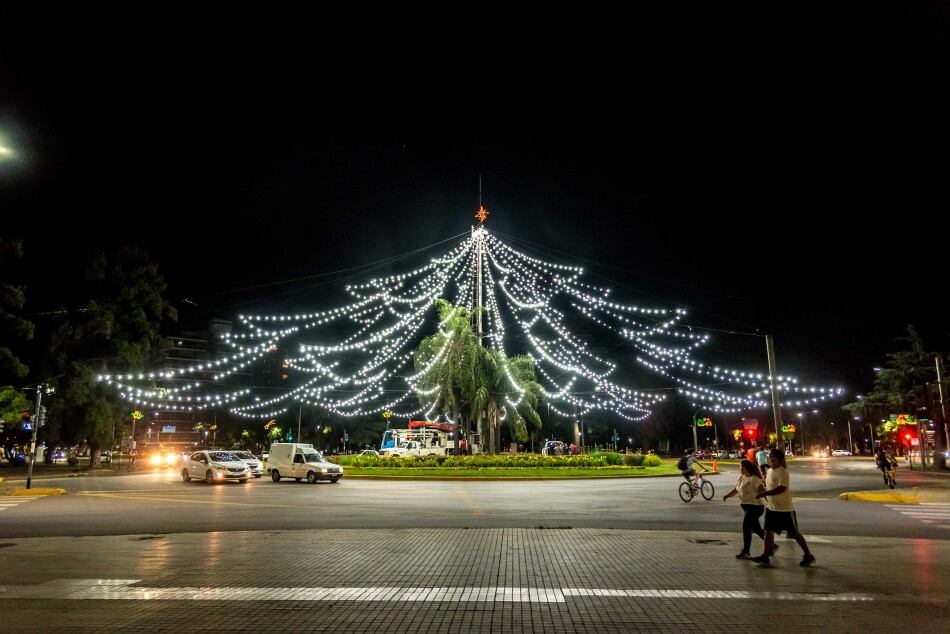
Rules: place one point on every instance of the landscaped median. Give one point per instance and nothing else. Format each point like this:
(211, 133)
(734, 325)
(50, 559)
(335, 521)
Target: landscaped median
(509, 467)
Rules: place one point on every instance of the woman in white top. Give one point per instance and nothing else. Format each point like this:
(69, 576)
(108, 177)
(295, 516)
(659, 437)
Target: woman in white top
(748, 486)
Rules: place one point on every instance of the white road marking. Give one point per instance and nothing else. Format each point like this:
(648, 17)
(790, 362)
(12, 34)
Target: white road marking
(925, 512)
(15, 500)
(122, 589)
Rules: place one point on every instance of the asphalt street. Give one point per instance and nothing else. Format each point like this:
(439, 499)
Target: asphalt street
(158, 502)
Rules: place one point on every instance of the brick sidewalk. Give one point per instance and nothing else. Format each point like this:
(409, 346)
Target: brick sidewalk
(534, 580)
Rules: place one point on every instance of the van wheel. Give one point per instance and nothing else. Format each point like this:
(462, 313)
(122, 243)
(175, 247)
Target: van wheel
(311, 477)
(209, 477)
(184, 476)
(275, 475)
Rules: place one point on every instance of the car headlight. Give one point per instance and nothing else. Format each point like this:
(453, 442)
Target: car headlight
(170, 458)
(324, 471)
(156, 460)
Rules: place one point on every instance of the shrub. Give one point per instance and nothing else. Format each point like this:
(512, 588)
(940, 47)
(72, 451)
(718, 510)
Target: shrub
(72, 461)
(613, 458)
(652, 460)
(633, 459)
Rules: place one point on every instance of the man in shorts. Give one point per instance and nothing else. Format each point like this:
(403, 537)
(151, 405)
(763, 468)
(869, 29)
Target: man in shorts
(779, 510)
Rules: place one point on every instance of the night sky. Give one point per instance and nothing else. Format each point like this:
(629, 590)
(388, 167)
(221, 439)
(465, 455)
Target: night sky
(789, 179)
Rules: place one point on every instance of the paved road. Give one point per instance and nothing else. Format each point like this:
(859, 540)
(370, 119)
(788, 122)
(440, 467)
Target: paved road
(148, 552)
(158, 502)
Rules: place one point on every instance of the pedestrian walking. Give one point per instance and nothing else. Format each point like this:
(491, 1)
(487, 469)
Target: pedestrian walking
(780, 511)
(762, 460)
(748, 486)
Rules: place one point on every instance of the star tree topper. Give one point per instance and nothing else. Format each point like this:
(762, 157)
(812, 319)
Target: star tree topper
(482, 214)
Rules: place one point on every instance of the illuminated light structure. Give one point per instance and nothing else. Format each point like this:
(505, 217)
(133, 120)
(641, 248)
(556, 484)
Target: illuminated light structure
(530, 306)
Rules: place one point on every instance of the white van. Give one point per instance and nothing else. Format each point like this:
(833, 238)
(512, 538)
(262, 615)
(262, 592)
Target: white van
(298, 461)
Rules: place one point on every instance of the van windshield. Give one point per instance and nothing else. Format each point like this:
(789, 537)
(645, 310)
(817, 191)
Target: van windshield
(312, 456)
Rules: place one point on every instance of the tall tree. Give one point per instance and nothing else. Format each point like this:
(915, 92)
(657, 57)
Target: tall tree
(449, 361)
(903, 382)
(113, 327)
(495, 393)
(12, 300)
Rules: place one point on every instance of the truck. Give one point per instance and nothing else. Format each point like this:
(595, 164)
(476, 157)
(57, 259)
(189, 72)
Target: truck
(421, 438)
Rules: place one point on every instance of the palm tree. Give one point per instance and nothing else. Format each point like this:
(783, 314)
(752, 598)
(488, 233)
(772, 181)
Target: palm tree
(449, 361)
(495, 393)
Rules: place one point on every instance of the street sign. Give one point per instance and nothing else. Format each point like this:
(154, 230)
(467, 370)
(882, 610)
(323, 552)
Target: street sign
(169, 429)
(27, 426)
(704, 422)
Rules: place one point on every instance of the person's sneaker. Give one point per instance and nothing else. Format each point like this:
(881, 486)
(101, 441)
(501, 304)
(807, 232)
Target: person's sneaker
(761, 559)
(807, 560)
(743, 555)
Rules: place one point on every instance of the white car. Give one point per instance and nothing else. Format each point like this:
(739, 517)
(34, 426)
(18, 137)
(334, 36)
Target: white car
(369, 452)
(840, 452)
(214, 466)
(257, 468)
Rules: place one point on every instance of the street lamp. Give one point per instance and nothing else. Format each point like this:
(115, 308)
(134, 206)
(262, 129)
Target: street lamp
(801, 423)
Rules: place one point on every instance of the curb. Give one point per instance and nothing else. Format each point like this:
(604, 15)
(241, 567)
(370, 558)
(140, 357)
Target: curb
(36, 491)
(370, 476)
(878, 496)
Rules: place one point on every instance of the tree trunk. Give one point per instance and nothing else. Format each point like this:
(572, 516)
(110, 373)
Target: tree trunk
(94, 456)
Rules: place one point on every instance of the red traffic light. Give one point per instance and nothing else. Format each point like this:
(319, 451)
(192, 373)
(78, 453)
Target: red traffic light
(907, 436)
(750, 432)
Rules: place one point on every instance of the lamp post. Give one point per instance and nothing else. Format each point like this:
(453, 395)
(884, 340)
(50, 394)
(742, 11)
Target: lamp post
(801, 423)
(692, 424)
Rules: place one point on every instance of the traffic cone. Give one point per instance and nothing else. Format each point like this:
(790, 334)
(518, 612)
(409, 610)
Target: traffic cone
(715, 465)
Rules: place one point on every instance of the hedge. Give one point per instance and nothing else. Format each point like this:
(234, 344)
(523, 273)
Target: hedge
(484, 460)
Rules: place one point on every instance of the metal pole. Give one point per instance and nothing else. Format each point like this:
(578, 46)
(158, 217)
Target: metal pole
(850, 442)
(300, 413)
(478, 310)
(36, 421)
(943, 411)
(132, 444)
(692, 424)
(803, 435)
(773, 381)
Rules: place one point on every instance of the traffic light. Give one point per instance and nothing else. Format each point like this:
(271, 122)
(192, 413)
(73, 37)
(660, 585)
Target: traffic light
(41, 416)
(907, 436)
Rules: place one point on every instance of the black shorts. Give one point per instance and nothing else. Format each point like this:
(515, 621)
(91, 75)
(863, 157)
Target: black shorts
(781, 521)
(688, 474)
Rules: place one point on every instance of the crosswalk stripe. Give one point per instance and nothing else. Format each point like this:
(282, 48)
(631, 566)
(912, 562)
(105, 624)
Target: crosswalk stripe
(105, 589)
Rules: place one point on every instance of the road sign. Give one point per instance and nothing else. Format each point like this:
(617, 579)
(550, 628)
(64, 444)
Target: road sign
(169, 429)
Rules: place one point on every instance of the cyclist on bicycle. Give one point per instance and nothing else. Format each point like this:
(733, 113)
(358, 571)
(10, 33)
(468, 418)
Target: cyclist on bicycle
(885, 463)
(685, 465)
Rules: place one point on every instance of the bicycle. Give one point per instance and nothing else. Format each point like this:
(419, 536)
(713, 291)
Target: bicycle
(889, 478)
(689, 490)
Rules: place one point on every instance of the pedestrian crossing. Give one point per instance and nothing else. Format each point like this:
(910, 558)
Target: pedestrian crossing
(8, 502)
(932, 513)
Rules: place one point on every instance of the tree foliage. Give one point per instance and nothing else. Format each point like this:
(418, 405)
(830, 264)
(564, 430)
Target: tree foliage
(12, 300)
(901, 385)
(113, 326)
(468, 378)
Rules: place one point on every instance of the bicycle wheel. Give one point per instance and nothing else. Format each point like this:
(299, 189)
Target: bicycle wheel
(686, 492)
(707, 489)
